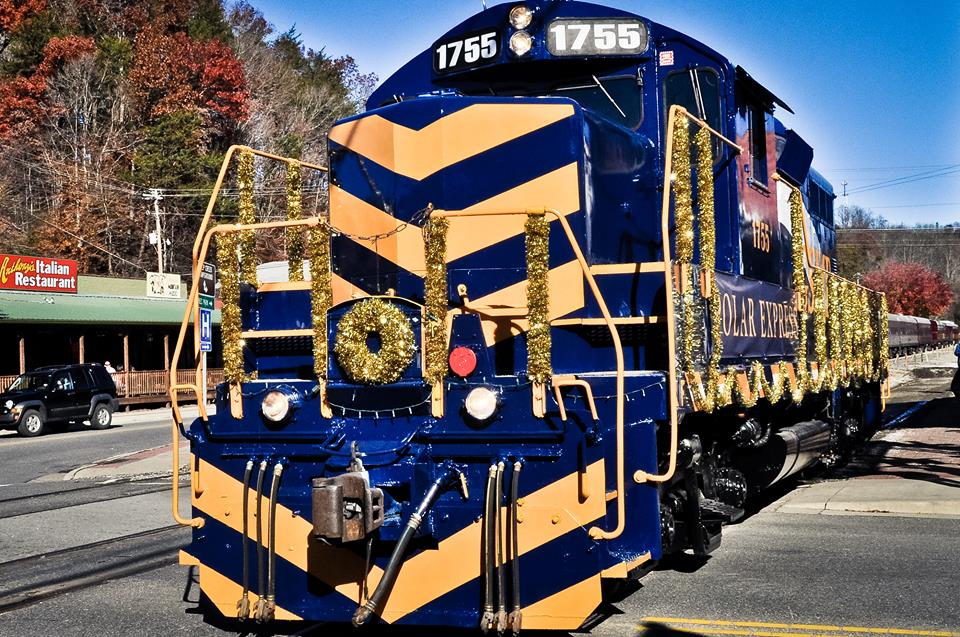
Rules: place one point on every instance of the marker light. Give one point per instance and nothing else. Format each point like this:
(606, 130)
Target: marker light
(520, 43)
(463, 361)
(481, 403)
(520, 17)
(275, 406)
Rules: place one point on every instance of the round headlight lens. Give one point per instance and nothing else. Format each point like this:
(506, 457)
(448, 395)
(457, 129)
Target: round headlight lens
(481, 403)
(520, 43)
(520, 17)
(275, 406)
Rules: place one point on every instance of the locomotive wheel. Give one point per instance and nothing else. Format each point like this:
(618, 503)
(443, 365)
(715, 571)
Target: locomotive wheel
(31, 424)
(101, 417)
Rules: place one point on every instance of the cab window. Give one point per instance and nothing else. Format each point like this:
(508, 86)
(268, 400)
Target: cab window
(757, 121)
(698, 91)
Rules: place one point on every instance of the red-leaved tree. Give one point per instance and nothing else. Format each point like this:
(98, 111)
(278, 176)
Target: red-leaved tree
(911, 289)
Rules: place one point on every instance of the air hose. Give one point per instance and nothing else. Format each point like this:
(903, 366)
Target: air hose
(243, 605)
(271, 601)
(448, 478)
(501, 565)
(261, 572)
(516, 616)
(487, 620)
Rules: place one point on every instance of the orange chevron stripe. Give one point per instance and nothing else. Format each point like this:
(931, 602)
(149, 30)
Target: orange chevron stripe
(425, 576)
(567, 277)
(558, 189)
(420, 153)
(342, 290)
(430, 574)
(356, 218)
(565, 610)
(224, 593)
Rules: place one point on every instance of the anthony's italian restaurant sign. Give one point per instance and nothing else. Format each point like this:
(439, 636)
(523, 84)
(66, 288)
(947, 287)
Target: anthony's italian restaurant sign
(37, 274)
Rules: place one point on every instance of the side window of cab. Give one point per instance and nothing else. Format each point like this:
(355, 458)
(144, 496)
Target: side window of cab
(698, 91)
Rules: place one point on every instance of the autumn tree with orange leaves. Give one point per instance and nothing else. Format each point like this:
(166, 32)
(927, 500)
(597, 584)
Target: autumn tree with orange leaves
(102, 100)
(911, 289)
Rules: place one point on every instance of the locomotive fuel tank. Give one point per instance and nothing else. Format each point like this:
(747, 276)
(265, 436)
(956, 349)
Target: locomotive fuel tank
(788, 451)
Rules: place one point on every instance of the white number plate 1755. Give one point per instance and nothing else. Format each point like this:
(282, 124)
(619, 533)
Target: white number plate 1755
(466, 52)
(597, 37)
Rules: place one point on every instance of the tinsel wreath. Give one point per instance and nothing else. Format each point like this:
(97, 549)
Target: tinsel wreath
(683, 221)
(228, 265)
(295, 235)
(800, 292)
(321, 294)
(397, 342)
(539, 366)
(435, 300)
(247, 215)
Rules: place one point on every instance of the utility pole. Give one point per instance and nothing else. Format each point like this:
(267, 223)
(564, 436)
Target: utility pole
(844, 184)
(157, 197)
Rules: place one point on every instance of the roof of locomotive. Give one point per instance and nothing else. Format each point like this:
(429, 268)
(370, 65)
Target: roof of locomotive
(418, 77)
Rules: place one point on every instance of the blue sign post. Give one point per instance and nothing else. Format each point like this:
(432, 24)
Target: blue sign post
(206, 330)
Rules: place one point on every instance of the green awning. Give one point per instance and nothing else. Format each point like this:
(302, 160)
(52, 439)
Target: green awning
(30, 307)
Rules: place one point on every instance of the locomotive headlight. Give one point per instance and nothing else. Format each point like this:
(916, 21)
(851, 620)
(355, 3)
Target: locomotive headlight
(277, 405)
(481, 403)
(520, 43)
(8, 404)
(520, 17)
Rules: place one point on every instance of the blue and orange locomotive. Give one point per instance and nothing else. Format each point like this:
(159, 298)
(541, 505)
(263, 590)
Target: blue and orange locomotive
(572, 304)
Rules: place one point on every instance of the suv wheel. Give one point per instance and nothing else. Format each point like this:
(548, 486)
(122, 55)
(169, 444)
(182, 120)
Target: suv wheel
(101, 417)
(31, 423)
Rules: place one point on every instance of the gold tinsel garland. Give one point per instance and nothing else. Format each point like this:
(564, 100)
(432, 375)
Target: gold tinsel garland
(228, 266)
(537, 241)
(247, 215)
(847, 330)
(397, 342)
(321, 294)
(883, 354)
(435, 300)
(820, 310)
(799, 291)
(295, 239)
(683, 221)
(716, 390)
(834, 326)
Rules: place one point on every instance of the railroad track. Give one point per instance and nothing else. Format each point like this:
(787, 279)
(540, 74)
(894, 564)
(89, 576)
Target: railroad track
(63, 498)
(33, 579)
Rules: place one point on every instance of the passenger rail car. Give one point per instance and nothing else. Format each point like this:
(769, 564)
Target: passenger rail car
(573, 301)
(911, 334)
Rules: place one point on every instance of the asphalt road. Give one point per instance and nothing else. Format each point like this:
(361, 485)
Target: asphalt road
(53, 455)
(777, 574)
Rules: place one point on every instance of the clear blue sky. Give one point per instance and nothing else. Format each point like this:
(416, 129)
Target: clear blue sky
(875, 83)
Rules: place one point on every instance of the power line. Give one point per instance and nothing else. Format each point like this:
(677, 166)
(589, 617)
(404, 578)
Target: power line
(898, 181)
(79, 238)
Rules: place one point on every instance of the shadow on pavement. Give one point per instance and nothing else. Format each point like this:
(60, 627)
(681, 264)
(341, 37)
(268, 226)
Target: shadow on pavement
(926, 446)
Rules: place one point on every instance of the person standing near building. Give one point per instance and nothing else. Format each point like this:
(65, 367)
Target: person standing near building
(107, 366)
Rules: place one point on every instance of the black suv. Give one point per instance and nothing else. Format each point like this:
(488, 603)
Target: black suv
(59, 395)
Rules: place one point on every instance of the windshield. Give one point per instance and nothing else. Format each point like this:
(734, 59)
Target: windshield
(29, 381)
(619, 99)
(622, 94)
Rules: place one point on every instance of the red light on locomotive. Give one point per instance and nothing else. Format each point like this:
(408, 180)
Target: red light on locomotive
(463, 361)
